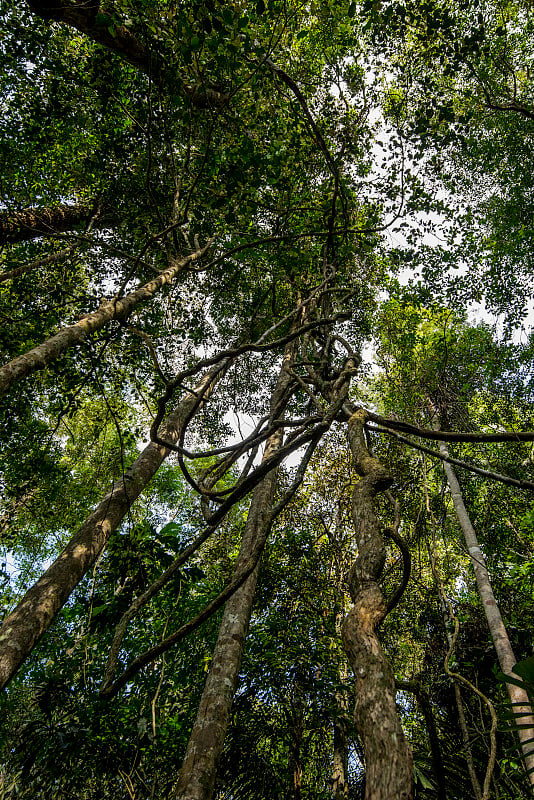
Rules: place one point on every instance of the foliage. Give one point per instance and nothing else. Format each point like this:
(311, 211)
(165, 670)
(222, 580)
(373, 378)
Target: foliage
(360, 175)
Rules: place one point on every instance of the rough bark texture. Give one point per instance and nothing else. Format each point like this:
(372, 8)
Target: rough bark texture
(388, 759)
(90, 19)
(21, 629)
(197, 775)
(99, 26)
(36, 359)
(499, 634)
(34, 222)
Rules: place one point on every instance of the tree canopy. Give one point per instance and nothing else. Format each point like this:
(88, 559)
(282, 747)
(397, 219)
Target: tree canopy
(266, 398)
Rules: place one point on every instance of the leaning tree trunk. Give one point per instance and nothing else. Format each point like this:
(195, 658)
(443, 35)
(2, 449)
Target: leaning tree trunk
(22, 629)
(32, 223)
(45, 261)
(196, 780)
(499, 634)
(116, 309)
(106, 31)
(388, 759)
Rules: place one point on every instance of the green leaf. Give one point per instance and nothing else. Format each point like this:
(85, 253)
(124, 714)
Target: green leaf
(525, 669)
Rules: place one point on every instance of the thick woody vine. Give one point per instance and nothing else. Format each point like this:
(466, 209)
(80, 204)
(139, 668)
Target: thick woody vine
(388, 756)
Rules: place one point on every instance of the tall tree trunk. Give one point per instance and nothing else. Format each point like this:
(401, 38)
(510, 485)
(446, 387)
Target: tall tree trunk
(22, 629)
(423, 700)
(296, 731)
(45, 261)
(388, 759)
(95, 23)
(340, 766)
(116, 309)
(196, 780)
(499, 634)
(295, 766)
(19, 226)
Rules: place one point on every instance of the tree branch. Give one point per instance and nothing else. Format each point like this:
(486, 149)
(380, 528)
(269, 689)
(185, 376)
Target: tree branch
(485, 473)
(90, 19)
(450, 436)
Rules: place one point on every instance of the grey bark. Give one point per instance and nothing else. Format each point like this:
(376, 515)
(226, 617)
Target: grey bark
(499, 634)
(25, 625)
(116, 309)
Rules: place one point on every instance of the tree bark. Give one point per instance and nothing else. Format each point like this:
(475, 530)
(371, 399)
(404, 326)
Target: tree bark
(24, 626)
(196, 780)
(116, 309)
(423, 700)
(388, 758)
(88, 18)
(499, 634)
(45, 261)
(295, 762)
(31, 223)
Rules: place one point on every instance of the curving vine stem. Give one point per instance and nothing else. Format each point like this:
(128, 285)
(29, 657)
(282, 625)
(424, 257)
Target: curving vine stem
(387, 755)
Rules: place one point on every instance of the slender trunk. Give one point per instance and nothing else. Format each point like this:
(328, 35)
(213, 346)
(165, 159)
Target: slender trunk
(196, 780)
(22, 629)
(117, 309)
(340, 767)
(296, 727)
(468, 753)
(462, 722)
(388, 757)
(45, 261)
(423, 701)
(31, 223)
(499, 634)
(340, 760)
(295, 765)
(296, 731)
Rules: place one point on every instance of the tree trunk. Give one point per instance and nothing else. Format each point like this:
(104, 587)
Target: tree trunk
(388, 758)
(295, 718)
(20, 226)
(295, 765)
(340, 767)
(45, 261)
(197, 775)
(498, 631)
(423, 701)
(117, 309)
(89, 19)
(22, 629)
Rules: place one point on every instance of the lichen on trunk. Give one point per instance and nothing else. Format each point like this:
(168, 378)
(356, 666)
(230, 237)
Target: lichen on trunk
(387, 755)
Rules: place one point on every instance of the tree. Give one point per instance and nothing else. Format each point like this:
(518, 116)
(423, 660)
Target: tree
(195, 233)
